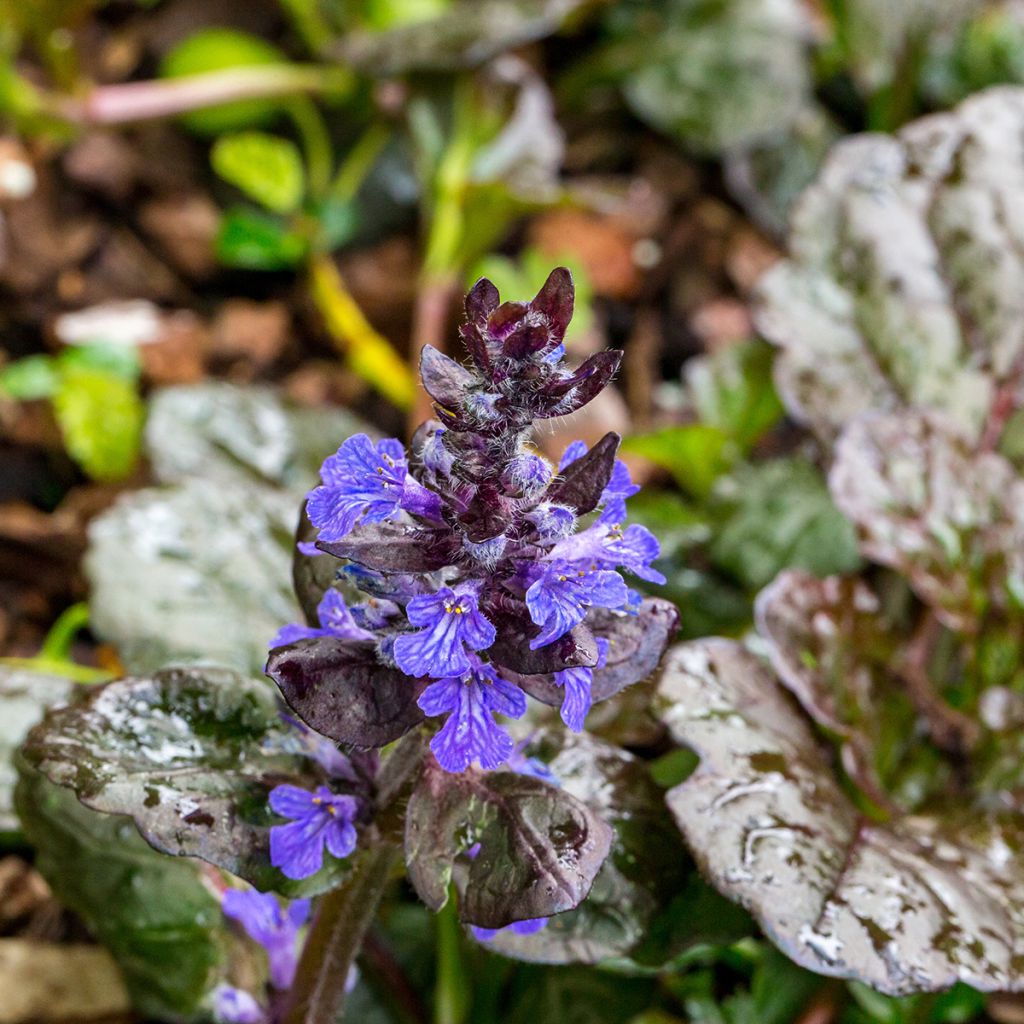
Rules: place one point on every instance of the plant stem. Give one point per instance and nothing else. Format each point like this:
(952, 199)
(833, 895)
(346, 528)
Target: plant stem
(342, 919)
(140, 101)
(450, 993)
(369, 353)
(316, 142)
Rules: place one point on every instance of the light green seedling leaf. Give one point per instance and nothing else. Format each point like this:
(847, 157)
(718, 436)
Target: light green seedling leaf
(100, 416)
(118, 360)
(217, 49)
(265, 167)
(28, 378)
(696, 454)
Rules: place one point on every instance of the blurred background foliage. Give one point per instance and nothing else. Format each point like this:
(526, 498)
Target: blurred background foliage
(225, 230)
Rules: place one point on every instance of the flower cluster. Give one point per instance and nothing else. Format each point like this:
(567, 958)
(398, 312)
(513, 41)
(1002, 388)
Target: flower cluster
(488, 572)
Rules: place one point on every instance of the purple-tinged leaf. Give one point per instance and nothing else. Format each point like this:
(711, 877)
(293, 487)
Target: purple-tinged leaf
(526, 340)
(340, 689)
(392, 547)
(636, 645)
(312, 574)
(445, 380)
(555, 300)
(512, 650)
(562, 396)
(481, 301)
(582, 482)
(506, 318)
(540, 847)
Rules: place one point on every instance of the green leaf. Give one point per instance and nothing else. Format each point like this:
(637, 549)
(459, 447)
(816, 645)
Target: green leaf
(733, 391)
(257, 241)
(265, 167)
(696, 454)
(29, 378)
(100, 415)
(24, 696)
(117, 360)
(540, 848)
(779, 514)
(217, 49)
(154, 913)
(191, 756)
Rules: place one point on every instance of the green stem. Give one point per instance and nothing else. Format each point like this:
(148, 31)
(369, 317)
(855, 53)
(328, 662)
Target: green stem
(57, 645)
(359, 162)
(450, 993)
(69, 670)
(309, 24)
(316, 142)
(342, 918)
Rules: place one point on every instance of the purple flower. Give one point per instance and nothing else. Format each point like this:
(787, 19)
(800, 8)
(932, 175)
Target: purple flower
(552, 522)
(470, 732)
(235, 1006)
(435, 456)
(558, 600)
(576, 683)
(323, 751)
(529, 927)
(319, 819)
(450, 623)
(364, 483)
(607, 545)
(535, 768)
(335, 620)
(528, 475)
(275, 930)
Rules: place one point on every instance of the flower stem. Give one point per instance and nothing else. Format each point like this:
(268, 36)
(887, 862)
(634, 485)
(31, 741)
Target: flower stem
(342, 919)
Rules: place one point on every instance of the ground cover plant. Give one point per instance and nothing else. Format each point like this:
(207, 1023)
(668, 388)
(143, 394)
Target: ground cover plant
(511, 512)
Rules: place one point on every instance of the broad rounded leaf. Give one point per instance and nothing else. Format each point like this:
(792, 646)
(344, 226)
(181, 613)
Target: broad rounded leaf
(221, 432)
(927, 504)
(905, 286)
(628, 912)
(190, 754)
(340, 689)
(267, 168)
(540, 848)
(636, 644)
(915, 904)
(196, 572)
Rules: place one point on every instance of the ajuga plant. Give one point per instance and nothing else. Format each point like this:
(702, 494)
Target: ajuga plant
(874, 824)
(444, 585)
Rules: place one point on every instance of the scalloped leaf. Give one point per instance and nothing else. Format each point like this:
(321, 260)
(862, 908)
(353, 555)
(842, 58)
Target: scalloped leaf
(905, 286)
(540, 847)
(928, 505)
(629, 911)
(914, 904)
(190, 754)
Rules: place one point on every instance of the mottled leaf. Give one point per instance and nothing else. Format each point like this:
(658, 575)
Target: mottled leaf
(905, 286)
(716, 76)
(156, 914)
(512, 649)
(221, 432)
(199, 571)
(636, 644)
(24, 696)
(540, 848)
(913, 904)
(469, 35)
(924, 502)
(190, 754)
(646, 868)
(340, 689)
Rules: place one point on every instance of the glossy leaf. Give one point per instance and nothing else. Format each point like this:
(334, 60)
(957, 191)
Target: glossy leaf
(252, 240)
(903, 287)
(340, 689)
(540, 848)
(190, 755)
(913, 904)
